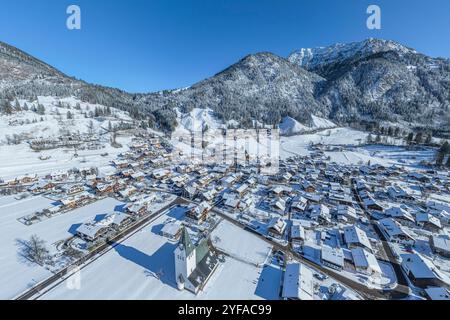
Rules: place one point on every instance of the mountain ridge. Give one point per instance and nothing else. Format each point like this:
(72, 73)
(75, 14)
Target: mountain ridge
(372, 80)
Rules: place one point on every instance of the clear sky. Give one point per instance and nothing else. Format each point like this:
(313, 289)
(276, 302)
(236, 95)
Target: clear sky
(149, 45)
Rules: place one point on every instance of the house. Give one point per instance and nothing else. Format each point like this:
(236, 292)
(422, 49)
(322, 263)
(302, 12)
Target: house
(231, 203)
(41, 186)
(118, 220)
(105, 188)
(319, 213)
(372, 204)
(138, 176)
(299, 205)
(242, 189)
(332, 257)
(278, 205)
(396, 193)
(355, 237)
(59, 175)
(394, 232)
(245, 203)
(308, 186)
(26, 179)
(279, 191)
(199, 213)
(172, 230)
(346, 213)
(120, 164)
(128, 192)
(437, 293)
(189, 192)
(420, 271)
(298, 282)
(276, 227)
(400, 215)
(160, 174)
(297, 234)
(194, 264)
(440, 245)
(428, 222)
(365, 262)
(91, 231)
(73, 189)
(208, 195)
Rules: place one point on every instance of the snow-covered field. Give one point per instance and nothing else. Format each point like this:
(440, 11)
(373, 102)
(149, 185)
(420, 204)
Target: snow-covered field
(356, 153)
(239, 244)
(21, 159)
(129, 271)
(16, 273)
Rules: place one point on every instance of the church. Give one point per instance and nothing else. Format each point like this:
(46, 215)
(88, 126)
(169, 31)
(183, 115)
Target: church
(194, 264)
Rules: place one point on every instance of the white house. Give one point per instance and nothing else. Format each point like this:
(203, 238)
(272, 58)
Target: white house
(298, 282)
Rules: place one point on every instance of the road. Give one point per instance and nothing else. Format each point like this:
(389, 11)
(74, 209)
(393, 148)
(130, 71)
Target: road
(358, 287)
(53, 281)
(402, 289)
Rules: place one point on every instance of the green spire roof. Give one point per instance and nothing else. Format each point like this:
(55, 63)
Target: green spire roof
(187, 243)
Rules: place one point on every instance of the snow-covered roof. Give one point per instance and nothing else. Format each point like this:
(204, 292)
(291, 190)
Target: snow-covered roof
(392, 228)
(364, 259)
(297, 232)
(420, 268)
(441, 243)
(90, 230)
(428, 218)
(397, 212)
(354, 235)
(171, 228)
(333, 255)
(438, 293)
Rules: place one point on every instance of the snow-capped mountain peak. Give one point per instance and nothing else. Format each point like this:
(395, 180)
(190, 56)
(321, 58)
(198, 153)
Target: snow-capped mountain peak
(310, 58)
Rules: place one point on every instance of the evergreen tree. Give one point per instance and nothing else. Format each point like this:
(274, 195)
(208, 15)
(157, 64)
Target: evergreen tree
(5, 107)
(445, 148)
(419, 138)
(440, 159)
(410, 138)
(390, 131)
(17, 105)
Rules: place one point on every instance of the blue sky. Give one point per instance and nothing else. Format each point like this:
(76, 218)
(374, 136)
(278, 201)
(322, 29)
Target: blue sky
(149, 45)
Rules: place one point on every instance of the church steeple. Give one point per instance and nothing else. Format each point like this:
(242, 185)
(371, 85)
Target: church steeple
(186, 242)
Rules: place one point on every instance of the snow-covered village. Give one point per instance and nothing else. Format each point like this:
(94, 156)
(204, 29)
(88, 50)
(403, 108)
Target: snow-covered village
(341, 218)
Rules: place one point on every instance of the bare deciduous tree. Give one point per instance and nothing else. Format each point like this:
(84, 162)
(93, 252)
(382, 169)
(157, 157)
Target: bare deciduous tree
(34, 250)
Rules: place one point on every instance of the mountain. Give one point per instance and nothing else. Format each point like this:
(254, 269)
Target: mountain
(261, 86)
(372, 81)
(380, 80)
(23, 76)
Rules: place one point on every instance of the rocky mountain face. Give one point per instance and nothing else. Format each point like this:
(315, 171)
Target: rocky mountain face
(373, 80)
(380, 80)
